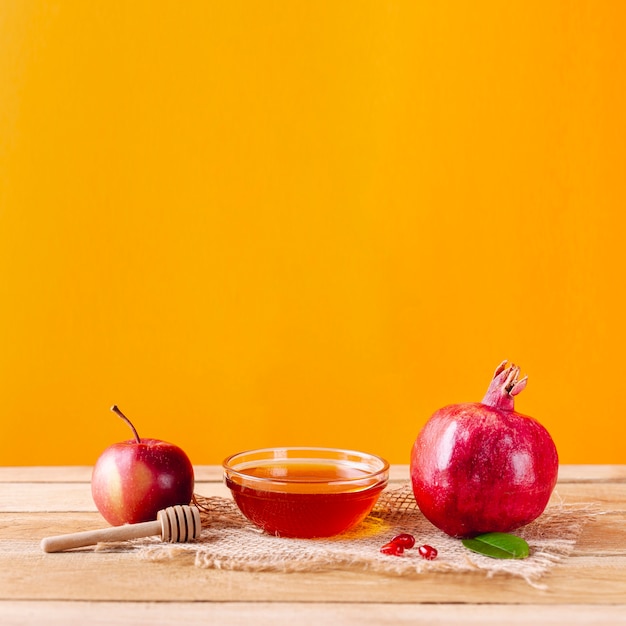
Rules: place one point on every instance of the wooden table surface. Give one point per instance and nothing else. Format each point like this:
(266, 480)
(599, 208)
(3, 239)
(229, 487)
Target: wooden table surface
(89, 587)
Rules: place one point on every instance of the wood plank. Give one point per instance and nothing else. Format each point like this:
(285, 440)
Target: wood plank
(69, 497)
(86, 575)
(605, 536)
(74, 497)
(608, 496)
(595, 574)
(28, 497)
(592, 473)
(51, 473)
(208, 473)
(82, 473)
(51, 613)
(35, 526)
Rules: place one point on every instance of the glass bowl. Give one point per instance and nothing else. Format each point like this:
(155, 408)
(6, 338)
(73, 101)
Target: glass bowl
(305, 492)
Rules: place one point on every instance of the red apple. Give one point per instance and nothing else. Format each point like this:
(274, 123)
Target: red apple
(133, 480)
(482, 467)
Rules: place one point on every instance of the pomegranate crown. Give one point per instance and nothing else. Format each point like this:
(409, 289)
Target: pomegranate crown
(504, 386)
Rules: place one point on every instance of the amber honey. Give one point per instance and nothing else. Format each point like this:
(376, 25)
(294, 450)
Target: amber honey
(305, 497)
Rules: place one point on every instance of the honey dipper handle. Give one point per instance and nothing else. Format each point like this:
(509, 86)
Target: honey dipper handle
(91, 537)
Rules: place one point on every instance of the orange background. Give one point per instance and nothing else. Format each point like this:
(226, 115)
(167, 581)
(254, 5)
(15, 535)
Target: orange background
(252, 223)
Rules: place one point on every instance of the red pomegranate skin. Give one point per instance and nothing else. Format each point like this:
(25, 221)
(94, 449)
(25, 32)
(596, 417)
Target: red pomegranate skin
(477, 468)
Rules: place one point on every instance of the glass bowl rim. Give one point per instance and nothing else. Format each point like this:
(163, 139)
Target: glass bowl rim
(381, 474)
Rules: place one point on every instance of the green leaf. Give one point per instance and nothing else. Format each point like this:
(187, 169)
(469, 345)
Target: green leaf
(498, 546)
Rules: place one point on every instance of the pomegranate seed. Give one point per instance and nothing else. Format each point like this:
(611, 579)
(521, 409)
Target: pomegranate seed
(394, 549)
(405, 540)
(427, 552)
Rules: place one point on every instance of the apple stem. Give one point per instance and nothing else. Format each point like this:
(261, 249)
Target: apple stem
(120, 414)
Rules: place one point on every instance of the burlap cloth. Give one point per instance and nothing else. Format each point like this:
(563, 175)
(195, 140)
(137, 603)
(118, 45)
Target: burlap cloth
(229, 541)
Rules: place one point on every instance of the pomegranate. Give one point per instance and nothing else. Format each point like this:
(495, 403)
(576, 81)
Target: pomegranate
(481, 467)
(405, 540)
(393, 549)
(428, 552)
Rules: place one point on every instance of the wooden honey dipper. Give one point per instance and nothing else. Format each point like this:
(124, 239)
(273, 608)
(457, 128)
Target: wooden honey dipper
(178, 523)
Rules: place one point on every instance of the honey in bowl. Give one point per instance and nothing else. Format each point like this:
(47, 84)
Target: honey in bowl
(305, 492)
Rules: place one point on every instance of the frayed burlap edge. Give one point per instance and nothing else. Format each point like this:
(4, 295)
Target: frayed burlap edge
(228, 541)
